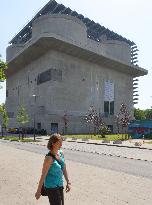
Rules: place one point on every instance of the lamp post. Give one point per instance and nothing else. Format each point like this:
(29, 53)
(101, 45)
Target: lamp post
(34, 115)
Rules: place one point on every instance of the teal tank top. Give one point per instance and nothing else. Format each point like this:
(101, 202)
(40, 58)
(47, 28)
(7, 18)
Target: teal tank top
(54, 177)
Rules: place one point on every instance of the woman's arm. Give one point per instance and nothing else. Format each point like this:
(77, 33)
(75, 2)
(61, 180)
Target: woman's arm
(46, 165)
(65, 173)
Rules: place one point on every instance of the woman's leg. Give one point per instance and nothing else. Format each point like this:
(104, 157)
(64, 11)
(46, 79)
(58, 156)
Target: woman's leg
(62, 196)
(55, 196)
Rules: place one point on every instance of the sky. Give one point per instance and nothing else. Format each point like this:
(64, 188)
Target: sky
(130, 18)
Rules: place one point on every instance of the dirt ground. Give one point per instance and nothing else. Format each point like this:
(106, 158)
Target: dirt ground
(20, 171)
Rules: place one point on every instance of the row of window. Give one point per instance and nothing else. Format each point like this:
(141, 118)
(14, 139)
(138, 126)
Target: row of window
(108, 110)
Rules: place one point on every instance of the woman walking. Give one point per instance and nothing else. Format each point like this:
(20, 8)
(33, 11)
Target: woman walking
(54, 168)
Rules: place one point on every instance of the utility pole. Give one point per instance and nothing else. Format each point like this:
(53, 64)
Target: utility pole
(34, 135)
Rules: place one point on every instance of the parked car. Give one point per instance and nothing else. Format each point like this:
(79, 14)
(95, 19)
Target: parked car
(13, 130)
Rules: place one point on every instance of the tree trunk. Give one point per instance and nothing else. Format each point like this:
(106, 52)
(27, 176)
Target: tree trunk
(2, 132)
(22, 133)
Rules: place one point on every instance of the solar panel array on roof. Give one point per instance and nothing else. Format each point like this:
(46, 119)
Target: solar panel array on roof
(94, 30)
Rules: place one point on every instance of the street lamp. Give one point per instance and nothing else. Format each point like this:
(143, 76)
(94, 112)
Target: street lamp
(34, 114)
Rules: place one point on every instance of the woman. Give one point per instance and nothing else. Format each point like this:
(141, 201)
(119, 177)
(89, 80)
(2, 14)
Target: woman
(52, 172)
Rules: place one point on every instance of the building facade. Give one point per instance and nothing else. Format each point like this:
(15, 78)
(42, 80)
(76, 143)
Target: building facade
(61, 63)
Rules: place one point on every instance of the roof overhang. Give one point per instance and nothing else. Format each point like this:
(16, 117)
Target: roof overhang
(34, 49)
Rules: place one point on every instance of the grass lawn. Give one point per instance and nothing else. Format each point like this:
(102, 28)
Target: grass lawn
(85, 136)
(12, 138)
(148, 142)
(98, 137)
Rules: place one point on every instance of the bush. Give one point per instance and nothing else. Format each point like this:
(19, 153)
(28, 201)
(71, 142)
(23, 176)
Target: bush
(42, 132)
(29, 140)
(104, 130)
(148, 136)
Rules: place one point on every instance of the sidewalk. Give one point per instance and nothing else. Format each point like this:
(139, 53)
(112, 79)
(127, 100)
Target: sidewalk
(20, 172)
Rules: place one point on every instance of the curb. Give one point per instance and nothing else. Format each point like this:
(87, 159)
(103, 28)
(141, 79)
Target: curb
(94, 152)
(111, 155)
(94, 143)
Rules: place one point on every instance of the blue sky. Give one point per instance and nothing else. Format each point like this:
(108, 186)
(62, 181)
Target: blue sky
(129, 18)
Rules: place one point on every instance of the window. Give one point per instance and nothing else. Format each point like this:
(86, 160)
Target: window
(10, 114)
(6, 93)
(51, 74)
(39, 126)
(109, 108)
(108, 97)
(112, 108)
(106, 107)
(44, 77)
(54, 128)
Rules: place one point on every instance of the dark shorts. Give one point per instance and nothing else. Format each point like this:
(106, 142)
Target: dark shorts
(55, 195)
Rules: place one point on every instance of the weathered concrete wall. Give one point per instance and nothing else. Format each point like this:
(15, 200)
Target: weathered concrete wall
(13, 50)
(63, 25)
(118, 50)
(82, 85)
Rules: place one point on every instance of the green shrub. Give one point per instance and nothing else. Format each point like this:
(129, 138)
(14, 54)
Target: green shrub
(148, 136)
(29, 140)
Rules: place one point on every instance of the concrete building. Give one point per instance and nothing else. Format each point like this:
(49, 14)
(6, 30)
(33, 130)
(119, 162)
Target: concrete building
(61, 63)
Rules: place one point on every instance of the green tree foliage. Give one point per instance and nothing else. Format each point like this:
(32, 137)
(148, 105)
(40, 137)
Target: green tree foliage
(3, 67)
(22, 118)
(139, 114)
(4, 116)
(143, 114)
(148, 114)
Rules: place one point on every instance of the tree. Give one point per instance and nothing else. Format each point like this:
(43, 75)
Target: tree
(143, 114)
(96, 120)
(65, 119)
(5, 118)
(139, 114)
(148, 114)
(123, 118)
(3, 67)
(22, 118)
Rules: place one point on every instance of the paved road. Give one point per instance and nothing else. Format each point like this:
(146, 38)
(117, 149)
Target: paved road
(130, 166)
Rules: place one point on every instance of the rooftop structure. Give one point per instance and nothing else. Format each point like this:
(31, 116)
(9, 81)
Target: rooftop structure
(94, 30)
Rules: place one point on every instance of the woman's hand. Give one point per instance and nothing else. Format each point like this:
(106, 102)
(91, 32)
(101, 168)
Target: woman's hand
(37, 195)
(68, 187)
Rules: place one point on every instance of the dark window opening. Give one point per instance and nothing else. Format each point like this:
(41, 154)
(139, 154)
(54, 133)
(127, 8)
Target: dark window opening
(106, 107)
(6, 93)
(10, 114)
(54, 128)
(112, 108)
(51, 74)
(109, 107)
(39, 125)
(43, 77)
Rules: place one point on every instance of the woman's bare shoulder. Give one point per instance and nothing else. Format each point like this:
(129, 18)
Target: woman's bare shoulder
(48, 159)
